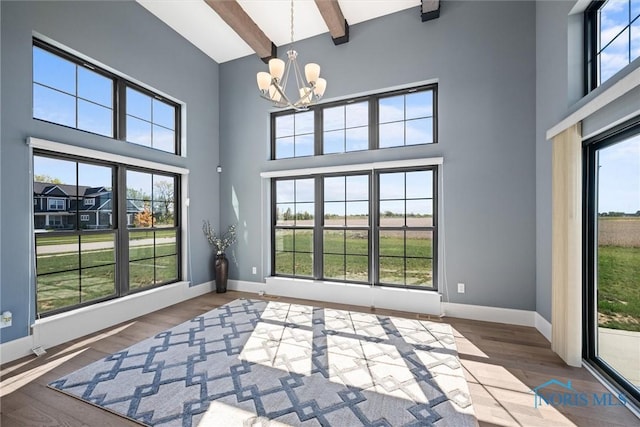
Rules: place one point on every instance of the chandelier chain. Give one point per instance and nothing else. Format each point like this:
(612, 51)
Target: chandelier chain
(292, 23)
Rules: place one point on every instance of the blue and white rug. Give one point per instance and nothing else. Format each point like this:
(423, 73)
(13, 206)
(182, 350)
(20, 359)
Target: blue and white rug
(268, 363)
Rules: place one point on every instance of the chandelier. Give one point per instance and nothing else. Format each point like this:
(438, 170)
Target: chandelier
(273, 85)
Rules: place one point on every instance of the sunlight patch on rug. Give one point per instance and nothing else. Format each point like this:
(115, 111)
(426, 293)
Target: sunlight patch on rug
(269, 363)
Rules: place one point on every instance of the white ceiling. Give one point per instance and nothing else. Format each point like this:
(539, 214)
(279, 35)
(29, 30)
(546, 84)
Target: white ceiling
(199, 24)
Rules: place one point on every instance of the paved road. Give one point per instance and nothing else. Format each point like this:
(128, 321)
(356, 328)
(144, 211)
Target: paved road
(92, 246)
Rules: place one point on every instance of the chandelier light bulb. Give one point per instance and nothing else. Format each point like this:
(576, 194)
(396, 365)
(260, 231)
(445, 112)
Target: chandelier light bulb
(274, 95)
(276, 68)
(264, 80)
(312, 72)
(321, 86)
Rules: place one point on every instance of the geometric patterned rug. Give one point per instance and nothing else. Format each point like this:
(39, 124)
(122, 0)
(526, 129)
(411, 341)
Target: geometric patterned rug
(268, 363)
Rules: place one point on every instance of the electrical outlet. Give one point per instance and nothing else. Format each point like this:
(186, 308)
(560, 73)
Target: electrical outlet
(254, 270)
(461, 288)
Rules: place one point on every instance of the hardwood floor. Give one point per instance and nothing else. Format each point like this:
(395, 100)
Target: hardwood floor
(502, 363)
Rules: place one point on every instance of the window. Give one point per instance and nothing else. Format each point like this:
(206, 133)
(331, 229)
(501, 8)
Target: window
(89, 201)
(612, 39)
(85, 255)
(387, 239)
(56, 204)
(346, 228)
(153, 234)
(406, 228)
(72, 92)
(293, 231)
(394, 119)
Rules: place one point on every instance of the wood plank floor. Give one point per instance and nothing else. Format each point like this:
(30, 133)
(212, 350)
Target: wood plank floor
(502, 363)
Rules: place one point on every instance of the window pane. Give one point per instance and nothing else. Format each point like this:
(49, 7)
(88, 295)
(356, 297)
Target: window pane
(333, 241)
(419, 131)
(334, 214)
(95, 87)
(392, 270)
(166, 268)
(304, 214)
(357, 268)
(419, 272)
(357, 139)
(284, 191)
(164, 139)
(303, 264)
(391, 135)
(94, 183)
(614, 16)
(333, 267)
(419, 213)
(333, 142)
(163, 201)
(95, 118)
(392, 243)
(138, 131)
(164, 114)
(419, 185)
(138, 104)
(333, 118)
(285, 213)
(303, 240)
(303, 122)
(357, 242)
(635, 9)
(54, 106)
(56, 254)
(284, 126)
(58, 290)
(358, 214)
(334, 188)
(304, 190)
(284, 240)
(54, 71)
(635, 38)
(419, 104)
(97, 282)
(141, 245)
(357, 114)
(392, 186)
(419, 244)
(166, 242)
(391, 109)
(304, 145)
(615, 56)
(284, 148)
(139, 190)
(357, 187)
(141, 274)
(392, 213)
(284, 263)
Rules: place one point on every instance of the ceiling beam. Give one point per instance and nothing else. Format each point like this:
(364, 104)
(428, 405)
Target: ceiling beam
(333, 17)
(430, 10)
(234, 16)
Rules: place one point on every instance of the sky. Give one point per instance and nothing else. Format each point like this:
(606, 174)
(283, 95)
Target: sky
(619, 177)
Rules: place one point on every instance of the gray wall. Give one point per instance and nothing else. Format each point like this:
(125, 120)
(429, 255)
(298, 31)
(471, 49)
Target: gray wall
(126, 37)
(483, 54)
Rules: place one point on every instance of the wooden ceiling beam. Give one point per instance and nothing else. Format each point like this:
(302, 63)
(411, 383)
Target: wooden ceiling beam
(334, 18)
(430, 10)
(234, 16)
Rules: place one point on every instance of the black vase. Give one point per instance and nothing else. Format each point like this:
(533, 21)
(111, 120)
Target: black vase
(222, 273)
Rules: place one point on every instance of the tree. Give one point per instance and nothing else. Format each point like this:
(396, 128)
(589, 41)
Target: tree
(144, 218)
(287, 215)
(163, 195)
(46, 178)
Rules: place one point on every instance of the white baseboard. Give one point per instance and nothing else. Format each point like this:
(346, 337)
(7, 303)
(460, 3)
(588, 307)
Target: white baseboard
(64, 327)
(543, 326)
(301, 289)
(510, 316)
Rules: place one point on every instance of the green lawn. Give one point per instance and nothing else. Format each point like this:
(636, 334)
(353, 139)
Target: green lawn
(619, 287)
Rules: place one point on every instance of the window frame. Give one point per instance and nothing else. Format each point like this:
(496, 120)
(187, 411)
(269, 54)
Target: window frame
(119, 229)
(373, 230)
(119, 102)
(373, 125)
(591, 44)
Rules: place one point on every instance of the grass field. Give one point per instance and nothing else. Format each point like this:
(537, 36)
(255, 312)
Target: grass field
(619, 273)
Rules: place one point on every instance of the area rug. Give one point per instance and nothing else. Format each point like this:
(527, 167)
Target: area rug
(268, 363)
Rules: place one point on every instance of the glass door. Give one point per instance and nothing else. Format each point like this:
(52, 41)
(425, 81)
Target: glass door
(613, 258)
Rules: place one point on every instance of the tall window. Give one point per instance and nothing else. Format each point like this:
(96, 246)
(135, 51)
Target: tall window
(85, 253)
(293, 232)
(394, 119)
(612, 38)
(389, 238)
(70, 91)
